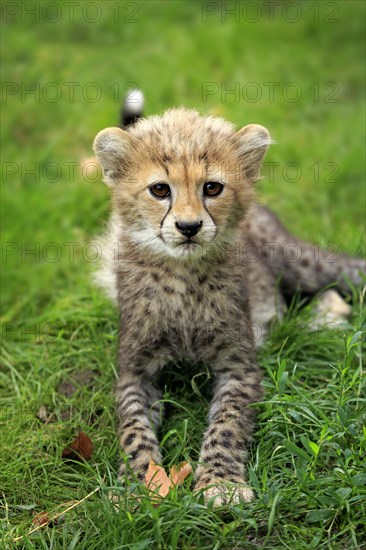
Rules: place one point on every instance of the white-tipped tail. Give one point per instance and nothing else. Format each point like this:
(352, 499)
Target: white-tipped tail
(133, 105)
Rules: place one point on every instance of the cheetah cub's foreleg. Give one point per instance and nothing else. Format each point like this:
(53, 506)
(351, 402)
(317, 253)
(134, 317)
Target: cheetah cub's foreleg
(139, 414)
(221, 473)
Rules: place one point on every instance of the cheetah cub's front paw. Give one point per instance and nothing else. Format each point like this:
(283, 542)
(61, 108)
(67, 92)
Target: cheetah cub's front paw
(224, 493)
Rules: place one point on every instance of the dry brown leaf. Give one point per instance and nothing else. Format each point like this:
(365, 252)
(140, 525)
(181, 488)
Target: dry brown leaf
(42, 414)
(157, 480)
(42, 518)
(81, 448)
(179, 473)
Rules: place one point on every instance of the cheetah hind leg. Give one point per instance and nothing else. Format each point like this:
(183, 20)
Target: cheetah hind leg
(330, 310)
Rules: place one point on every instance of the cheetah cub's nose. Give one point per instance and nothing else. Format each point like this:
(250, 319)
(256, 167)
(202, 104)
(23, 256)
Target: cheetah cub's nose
(188, 229)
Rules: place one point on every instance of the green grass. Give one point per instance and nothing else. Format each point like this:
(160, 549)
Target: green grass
(307, 460)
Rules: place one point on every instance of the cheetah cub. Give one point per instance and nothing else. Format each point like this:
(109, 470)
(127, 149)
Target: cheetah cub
(187, 260)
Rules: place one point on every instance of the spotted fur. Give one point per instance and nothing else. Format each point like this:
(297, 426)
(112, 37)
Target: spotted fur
(197, 298)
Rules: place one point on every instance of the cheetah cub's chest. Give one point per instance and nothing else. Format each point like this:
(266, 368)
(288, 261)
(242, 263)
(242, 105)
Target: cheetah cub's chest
(186, 310)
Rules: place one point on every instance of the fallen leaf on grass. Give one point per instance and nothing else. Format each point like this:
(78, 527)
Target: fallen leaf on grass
(42, 518)
(81, 448)
(42, 414)
(157, 480)
(179, 473)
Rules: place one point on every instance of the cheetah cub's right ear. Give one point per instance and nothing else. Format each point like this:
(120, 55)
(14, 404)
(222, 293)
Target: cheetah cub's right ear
(113, 148)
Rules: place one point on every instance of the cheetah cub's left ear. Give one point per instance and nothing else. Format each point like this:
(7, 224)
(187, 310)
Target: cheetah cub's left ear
(253, 142)
(112, 148)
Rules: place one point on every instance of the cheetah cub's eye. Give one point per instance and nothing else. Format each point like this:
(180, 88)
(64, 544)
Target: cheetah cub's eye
(212, 188)
(160, 190)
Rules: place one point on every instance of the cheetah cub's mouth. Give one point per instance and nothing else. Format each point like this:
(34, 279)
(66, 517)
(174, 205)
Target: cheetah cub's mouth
(189, 246)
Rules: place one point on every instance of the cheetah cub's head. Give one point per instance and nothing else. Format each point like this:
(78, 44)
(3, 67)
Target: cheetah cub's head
(181, 182)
